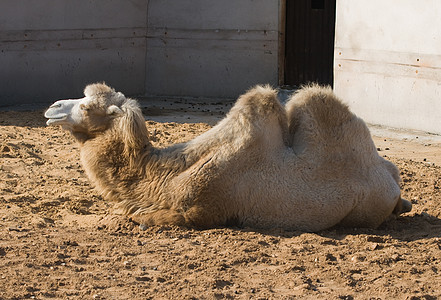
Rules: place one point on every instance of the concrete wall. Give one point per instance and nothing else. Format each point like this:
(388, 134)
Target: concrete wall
(211, 48)
(388, 61)
(51, 49)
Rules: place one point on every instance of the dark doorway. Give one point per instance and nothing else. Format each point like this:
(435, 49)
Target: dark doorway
(309, 44)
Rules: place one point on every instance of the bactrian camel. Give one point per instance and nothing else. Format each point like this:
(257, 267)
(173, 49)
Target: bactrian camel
(307, 166)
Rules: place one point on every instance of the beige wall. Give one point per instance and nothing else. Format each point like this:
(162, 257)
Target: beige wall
(387, 61)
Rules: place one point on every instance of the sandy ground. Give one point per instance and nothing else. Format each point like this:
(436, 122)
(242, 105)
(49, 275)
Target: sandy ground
(60, 240)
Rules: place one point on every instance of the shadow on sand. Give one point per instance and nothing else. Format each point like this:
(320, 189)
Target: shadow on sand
(406, 228)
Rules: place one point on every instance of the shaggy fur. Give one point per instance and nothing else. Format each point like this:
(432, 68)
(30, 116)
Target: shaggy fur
(309, 166)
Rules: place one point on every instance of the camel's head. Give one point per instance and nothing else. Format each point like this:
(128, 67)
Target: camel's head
(89, 115)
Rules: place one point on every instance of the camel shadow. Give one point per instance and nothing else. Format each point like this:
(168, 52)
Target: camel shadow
(406, 228)
(412, 227)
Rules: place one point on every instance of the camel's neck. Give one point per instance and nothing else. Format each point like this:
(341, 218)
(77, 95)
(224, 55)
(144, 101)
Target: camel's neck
(124, 171)
(123, 165)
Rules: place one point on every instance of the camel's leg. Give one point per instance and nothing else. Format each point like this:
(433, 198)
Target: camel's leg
(209, 215)
(160, 217)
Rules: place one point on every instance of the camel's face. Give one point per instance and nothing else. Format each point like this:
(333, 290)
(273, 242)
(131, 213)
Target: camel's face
(91, 114)
(67, 113)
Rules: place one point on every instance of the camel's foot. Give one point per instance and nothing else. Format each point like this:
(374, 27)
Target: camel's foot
(406, 206)
(403, 206)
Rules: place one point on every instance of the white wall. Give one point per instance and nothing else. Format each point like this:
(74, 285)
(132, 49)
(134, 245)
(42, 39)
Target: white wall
(388, 61)
(51, 49)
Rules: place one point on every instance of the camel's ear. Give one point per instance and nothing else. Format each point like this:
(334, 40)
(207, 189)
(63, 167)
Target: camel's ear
(114, 110)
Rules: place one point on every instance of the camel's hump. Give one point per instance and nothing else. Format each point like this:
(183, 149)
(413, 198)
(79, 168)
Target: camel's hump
(321, 104)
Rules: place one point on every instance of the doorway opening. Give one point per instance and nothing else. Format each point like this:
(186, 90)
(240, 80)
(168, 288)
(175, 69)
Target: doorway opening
(309, 42)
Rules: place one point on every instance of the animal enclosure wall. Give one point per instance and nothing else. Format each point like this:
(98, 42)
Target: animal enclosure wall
(388, 61)
(51, 49)
(211, 48)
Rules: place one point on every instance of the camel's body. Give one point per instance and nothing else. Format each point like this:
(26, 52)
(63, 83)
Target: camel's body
(310, 166)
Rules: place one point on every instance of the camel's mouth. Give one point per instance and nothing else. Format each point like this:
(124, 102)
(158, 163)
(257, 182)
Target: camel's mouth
(55, 117)
(55, 121)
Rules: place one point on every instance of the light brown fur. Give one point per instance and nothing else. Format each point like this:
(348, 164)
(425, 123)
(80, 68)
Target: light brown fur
(309, 167)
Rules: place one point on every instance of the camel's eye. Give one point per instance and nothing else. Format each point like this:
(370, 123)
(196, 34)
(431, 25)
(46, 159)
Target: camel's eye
(84, 107)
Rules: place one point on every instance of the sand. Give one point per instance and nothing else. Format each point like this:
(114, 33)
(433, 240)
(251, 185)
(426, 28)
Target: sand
(60, 240)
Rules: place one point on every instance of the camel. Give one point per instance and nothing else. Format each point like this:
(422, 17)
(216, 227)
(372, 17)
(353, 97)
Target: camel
(309, 165)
